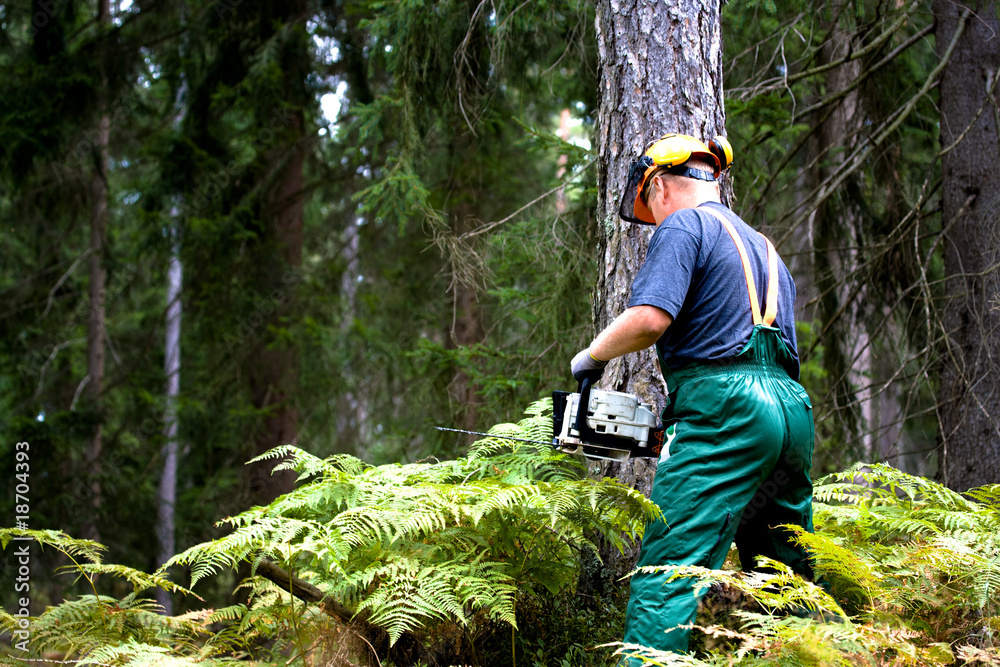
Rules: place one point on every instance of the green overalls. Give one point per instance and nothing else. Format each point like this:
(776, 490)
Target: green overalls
(737, 467)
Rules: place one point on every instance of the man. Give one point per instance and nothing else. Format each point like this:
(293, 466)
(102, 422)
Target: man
(738, 464)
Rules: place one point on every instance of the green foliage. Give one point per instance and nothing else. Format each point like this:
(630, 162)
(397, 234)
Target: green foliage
(99, 629)
(410, 548)
(913, 572)
(418, 544)
(446, 137)
(910, 570)
(813, 93)
(567, 630)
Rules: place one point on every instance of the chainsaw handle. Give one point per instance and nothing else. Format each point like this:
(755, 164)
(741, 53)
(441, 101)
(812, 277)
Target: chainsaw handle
(586, 382)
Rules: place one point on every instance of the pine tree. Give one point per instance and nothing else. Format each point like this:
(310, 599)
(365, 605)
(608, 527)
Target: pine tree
(658, 75)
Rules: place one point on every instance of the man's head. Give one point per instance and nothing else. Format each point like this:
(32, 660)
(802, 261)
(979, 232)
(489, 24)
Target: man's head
(677, 171)
(665, 192)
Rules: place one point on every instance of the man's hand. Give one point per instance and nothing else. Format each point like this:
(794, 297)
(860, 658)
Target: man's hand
(584, 365)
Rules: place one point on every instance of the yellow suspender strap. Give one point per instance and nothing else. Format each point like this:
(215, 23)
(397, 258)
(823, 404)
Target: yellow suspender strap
(771, 305)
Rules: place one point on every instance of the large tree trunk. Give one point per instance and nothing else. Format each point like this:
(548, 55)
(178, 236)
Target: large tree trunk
(95, 321)
(969, 399)
(274, 375)
(661, 71)
(274, 372)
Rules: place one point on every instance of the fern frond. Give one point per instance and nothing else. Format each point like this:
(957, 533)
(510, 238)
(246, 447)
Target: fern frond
(131, 654)
(407, 596)
(419, 543)
(229, 551)
(778, 589)
(651, 656)
(833, 558)
(276, 453)
(988, 495)
(982, 656)
(140, 581)
(73, 547)
(230, 613)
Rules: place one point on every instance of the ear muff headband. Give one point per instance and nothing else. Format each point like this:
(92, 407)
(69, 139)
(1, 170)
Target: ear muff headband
(673, 150)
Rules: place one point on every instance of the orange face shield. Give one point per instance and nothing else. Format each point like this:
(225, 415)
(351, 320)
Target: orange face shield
(670, 153)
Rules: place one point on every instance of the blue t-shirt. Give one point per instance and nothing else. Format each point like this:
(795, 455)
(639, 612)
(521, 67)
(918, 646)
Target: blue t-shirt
(693, 271)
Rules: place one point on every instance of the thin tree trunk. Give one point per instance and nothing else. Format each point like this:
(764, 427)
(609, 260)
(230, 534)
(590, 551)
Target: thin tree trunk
(969, 398)
(352, 414)
(661, 71)
(167, 493)
(837, 235)
(95, 321)
(564, 117)
(167, 496)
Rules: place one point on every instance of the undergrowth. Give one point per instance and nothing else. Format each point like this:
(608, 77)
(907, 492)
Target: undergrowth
(474, 561)
(409, 554)
(914, 577)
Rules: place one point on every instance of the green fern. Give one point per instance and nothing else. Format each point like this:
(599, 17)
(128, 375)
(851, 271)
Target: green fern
(412, 545)
(914, 570)
(98, 629)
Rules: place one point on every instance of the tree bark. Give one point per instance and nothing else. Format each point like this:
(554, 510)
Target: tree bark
(661, 71)
(969, 398)
(167, 491)
(98, 276)
(837, 235)
(466, 327)
(275, 374)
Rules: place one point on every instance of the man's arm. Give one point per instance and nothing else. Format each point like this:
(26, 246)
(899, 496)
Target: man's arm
(635, 329)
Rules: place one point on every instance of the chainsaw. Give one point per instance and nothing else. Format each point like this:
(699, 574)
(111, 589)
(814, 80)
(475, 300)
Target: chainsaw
(613, 427)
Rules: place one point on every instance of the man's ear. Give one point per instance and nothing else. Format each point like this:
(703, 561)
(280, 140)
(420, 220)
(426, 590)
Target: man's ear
(657, 187)
(651, 194)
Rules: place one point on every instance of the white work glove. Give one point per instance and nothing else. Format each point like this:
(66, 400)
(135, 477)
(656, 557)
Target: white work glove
(584, 365)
